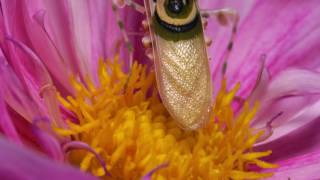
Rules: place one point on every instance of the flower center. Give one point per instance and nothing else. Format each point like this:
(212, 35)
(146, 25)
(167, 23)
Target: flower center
(124, 121)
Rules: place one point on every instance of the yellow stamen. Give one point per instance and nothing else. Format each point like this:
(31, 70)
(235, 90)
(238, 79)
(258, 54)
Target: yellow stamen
(124, 120)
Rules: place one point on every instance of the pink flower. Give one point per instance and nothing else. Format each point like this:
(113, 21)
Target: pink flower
(21, 163)
(43, 43)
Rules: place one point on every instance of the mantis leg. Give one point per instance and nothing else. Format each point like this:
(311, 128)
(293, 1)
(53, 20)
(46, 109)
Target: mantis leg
(116, 4)
(224, 17)
(131, 3)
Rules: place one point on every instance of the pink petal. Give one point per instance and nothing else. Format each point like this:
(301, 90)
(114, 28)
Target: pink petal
(19, 163)
(57, 24)
(27, 133)
(46, 49)
(290, 91)
(100, 35)
(290, 37)
(81, 34)
(39, 82)
(15, 93)
(47, 142)
(6, 124)
(299, 168)
(67, 36)
(18, 30)
(297, 139)
(18, 98)
(295, 94)
(20, 24)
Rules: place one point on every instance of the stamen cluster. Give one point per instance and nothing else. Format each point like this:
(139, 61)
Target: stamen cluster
(124, 120)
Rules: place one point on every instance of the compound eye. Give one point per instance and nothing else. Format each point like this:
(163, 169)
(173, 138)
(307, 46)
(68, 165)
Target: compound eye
(175, 6)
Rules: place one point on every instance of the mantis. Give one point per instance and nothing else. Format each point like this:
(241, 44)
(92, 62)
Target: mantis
(177, 45)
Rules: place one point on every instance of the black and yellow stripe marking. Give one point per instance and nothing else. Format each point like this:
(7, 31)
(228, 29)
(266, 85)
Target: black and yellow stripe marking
(182, 23)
